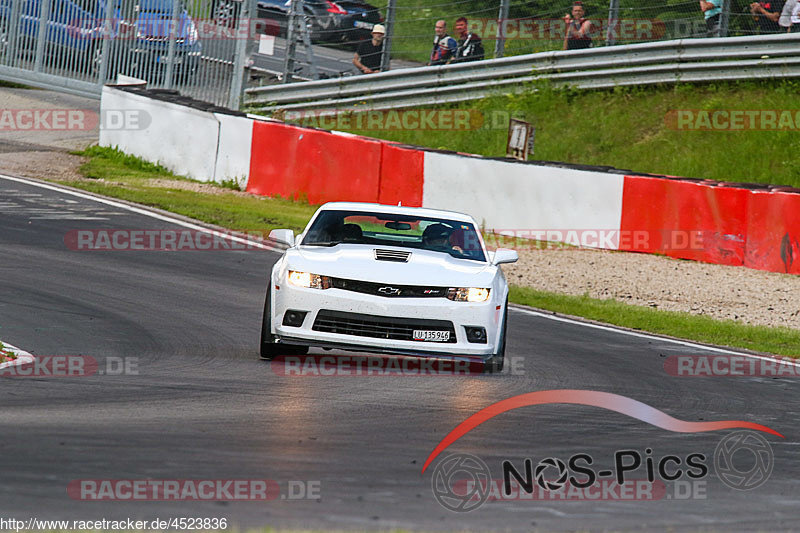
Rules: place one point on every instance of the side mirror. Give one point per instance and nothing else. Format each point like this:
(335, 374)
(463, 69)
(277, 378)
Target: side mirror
(282, 236)
(505, 255)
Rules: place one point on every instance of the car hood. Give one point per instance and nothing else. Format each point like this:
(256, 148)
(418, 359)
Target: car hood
(356, 261)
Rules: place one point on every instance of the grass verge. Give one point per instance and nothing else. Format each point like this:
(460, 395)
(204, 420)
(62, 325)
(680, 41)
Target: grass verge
(781, 341)
(118, 175)
(114, 174)
(12, 85)
(629, 128)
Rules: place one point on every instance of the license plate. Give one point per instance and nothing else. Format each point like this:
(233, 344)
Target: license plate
(431, 336)
(362, 24)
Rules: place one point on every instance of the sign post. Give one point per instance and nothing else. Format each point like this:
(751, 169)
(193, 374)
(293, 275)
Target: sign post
(521, 136)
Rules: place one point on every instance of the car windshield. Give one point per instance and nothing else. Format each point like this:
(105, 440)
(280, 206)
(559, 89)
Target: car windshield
(456, 238)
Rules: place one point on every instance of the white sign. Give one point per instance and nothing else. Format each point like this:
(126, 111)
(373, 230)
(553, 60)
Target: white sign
(266, 45)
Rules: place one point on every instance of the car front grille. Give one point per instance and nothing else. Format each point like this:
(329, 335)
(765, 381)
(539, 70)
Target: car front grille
(378, 327)
(389, 290)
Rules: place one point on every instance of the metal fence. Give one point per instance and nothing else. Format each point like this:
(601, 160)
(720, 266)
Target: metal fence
(209, 49)
(734, 58)
(516, 27)
(79, 45)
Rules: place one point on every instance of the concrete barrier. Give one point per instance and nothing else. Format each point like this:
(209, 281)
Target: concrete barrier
(180, 138)
(519, 197)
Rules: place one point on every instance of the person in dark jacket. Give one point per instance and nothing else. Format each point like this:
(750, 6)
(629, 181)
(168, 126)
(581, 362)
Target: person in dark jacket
(470, 46)
(369, 55)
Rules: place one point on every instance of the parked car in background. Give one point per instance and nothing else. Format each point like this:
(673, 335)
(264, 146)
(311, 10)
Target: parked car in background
(346, 21)
(138, 34)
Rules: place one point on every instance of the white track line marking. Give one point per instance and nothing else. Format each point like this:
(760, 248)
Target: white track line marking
(260, 245)
(140, 211)
(689, 344)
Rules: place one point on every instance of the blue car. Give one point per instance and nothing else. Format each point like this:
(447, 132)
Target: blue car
(138, 34)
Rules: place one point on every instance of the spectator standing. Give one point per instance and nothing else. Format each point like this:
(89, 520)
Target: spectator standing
(787, 20)
(712, 11)
(578, 31)
(470, 46)
(766, 14)
(369, 54)
(444, 46)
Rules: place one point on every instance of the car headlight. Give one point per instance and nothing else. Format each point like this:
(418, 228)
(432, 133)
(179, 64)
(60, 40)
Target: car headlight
(468, 294)
(309, 281)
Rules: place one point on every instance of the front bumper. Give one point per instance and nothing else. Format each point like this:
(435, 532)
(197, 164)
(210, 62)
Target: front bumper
(318, 303)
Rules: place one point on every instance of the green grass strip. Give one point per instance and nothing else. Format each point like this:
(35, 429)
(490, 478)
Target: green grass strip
(128, 178)
(782, 341)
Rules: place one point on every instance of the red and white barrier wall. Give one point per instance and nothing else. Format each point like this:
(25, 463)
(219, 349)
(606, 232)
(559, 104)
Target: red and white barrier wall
(703, 220)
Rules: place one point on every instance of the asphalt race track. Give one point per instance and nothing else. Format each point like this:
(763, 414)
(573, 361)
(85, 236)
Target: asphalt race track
(203, 406)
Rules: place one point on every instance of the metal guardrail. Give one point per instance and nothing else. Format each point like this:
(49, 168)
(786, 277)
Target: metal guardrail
(688, 60)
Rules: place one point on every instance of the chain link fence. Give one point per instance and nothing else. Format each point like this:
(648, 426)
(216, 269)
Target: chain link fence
(512, 27)
(505, 27)
(209, 49)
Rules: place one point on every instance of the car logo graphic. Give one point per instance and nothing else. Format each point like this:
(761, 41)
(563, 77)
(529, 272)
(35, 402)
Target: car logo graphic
(388, 290)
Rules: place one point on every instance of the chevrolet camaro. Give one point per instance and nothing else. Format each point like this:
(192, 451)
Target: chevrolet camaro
(388, 279)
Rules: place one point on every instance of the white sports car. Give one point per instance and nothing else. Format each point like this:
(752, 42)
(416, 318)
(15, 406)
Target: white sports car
(386, 279)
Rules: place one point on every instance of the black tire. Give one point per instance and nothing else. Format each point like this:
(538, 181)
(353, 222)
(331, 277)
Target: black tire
(269, 347)
(496, 362)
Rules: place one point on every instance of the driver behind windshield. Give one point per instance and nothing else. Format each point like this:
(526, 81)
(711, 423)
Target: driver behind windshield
(437, 237)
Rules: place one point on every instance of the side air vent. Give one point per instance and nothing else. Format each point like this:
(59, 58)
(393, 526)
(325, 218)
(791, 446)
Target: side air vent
(396, 256)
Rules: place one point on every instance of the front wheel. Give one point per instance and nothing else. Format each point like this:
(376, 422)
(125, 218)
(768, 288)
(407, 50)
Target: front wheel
(494, 363)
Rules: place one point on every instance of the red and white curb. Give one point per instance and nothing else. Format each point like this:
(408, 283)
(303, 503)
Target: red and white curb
(23, 357)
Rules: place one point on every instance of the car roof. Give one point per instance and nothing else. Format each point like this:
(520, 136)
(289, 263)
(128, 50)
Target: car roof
(422, 212)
